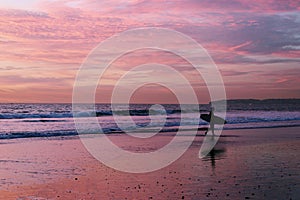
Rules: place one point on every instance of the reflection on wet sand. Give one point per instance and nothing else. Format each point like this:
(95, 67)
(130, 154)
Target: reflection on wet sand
(214, 155)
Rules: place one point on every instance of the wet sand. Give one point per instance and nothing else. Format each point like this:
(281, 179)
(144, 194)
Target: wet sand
(245, 164)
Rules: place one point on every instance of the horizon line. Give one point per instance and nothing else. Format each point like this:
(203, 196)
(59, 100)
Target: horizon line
(238, 99)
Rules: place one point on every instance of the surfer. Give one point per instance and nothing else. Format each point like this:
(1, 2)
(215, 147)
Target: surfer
(212, 119)
(212, 123)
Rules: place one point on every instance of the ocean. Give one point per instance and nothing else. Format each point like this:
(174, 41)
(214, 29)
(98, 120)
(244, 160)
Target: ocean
(45, 120)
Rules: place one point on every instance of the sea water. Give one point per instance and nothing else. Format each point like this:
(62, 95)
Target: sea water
(45, 120)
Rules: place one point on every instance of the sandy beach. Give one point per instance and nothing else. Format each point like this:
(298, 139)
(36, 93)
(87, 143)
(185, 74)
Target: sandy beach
(245, 164)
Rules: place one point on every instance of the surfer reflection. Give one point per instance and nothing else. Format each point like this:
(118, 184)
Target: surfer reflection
(213, 155)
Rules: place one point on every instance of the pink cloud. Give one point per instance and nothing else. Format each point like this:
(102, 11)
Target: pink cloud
(46, 46)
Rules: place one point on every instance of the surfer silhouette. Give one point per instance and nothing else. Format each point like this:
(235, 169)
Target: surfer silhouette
(212, 123)
(212, 119)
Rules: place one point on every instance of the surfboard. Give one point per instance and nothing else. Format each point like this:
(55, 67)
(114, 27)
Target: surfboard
(216, 119)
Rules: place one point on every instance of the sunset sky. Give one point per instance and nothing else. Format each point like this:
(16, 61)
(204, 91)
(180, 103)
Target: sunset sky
(255, 44)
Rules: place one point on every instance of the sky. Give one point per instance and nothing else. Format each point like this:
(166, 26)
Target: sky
(255, 45)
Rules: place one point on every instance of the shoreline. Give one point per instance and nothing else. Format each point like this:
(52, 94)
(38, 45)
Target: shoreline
(256, 163)
(163, 131)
